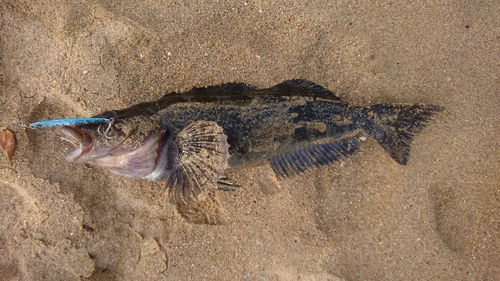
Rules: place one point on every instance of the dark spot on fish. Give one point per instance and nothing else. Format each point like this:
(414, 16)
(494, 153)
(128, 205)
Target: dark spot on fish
(307, 134)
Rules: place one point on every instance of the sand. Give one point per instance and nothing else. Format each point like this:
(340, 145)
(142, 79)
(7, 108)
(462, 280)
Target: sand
(367, 218)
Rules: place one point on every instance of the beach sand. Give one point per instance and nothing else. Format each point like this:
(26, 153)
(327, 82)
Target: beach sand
(367, 218)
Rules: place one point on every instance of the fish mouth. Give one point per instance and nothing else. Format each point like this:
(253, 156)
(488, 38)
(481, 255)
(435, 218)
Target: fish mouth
(82, 140)
(134, 156)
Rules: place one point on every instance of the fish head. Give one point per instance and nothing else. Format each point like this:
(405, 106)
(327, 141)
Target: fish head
(133, 146)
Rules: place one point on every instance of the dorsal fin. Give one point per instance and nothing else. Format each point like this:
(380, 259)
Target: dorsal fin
(300, 87)
(323, 154)
(223, 89)
(227, 89)
(295, 87)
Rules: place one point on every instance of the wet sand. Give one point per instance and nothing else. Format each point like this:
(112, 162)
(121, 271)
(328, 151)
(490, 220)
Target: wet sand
(368, 218)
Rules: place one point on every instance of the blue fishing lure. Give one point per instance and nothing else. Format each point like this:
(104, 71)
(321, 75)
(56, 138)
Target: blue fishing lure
(67, 122)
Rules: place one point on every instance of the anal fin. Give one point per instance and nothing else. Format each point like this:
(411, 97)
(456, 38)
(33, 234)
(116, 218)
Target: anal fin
(319, 155)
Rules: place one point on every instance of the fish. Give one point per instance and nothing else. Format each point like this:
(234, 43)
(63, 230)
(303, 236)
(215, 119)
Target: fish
(191, 140)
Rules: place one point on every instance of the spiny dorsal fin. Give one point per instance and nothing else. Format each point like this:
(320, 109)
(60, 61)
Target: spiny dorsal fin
(202, 160)
(302, 87)
(223, 89)
(227, 89)
(318, 155)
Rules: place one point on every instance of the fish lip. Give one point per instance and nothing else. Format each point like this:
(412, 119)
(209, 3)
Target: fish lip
(82, 140)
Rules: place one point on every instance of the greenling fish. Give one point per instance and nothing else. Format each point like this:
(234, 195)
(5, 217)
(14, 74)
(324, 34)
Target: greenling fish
(190, 140)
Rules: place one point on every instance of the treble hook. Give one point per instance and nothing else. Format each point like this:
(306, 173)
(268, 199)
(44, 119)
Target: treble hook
(105, 134)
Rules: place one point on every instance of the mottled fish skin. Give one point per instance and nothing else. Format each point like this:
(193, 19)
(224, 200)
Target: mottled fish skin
(258, 123)
(295, 125)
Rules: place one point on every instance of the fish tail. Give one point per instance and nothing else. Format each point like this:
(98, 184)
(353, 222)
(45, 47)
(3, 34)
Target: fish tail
(393, 126)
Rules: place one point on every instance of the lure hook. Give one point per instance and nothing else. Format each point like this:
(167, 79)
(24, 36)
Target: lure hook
(110, 123)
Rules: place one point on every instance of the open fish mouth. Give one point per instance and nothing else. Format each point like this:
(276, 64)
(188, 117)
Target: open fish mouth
(121, 148)
(82, 140)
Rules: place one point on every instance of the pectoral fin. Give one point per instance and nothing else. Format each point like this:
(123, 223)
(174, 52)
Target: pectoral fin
(202, 159)
(319, 155)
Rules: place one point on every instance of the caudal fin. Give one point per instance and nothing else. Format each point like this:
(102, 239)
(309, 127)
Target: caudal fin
(393, 126)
